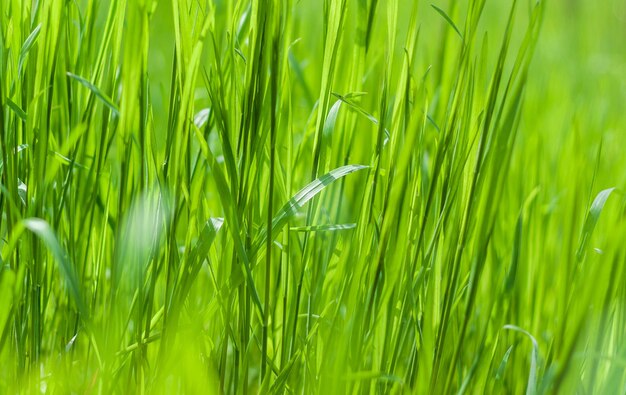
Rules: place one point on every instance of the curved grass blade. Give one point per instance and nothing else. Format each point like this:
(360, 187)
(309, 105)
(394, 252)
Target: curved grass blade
(41, 228)
(206, 238)
(307, 193)
(503, 363)
(360, 110)
(531, 388)
(448, 19)
(592, 219)
(331, 119)
(28, 44)
(202, 117)
(198, 253)
(323, 228)
(99, 94)
(17, 109)
(196, 257)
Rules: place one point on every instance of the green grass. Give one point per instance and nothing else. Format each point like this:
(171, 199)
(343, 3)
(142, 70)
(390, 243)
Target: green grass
(313, 196)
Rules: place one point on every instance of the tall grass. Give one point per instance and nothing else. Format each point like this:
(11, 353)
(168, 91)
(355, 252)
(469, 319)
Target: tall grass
(337, 196)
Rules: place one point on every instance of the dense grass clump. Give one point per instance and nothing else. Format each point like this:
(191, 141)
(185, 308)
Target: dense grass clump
(313, 196)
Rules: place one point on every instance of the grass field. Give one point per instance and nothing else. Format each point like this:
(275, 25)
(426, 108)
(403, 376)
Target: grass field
(312, 196)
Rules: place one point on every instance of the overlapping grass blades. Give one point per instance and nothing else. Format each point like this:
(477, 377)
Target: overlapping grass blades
(334, 196)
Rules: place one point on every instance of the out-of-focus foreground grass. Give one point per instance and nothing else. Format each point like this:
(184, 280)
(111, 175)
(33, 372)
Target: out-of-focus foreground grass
(313, 196)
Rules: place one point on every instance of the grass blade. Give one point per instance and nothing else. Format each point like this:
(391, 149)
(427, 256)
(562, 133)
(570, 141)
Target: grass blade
(28, 44)
(591, 220)
(307, 193)
(531, 388)
(99, 94)
(448, 19)
(17, 110)
(41, 228)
